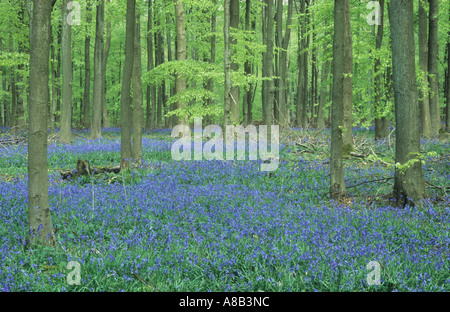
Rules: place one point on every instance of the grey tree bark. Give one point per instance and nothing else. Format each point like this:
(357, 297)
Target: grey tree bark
(96, 126)
(234, 23)
(348, 71)
(268, 68)
(180, 83)
(381, 122)
(227, 64)
(447, 107)
(302, 61)
(151, 89)
(323, 92)
(424, 101)
(283, 42)
(137, 93)
(409, 185)
(67, 78)
(432, 68)
(125, 99)
(87, 68)
(337, 185)
(105, 55)
(39, 217)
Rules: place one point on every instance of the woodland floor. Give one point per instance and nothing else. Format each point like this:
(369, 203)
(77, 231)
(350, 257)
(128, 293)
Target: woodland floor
(225, 225)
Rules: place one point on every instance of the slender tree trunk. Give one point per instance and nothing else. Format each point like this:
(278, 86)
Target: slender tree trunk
(263, 69)
(87, 68)
(424, 101)
(151, 89)
(323, 92)
(409, 185)
(13, 120)
(58, 78)
(104, 63)
(180, 84)
(170, 121)
(96, 127)
(19, 89)
(161, 88)
(67, 79)
(246, 105)
(381, 123)
(234, 23)
(137, 93)
(301, 109)
(212, 60)
(432, 68)
(39, 217)
(447, 90)
(348, 71)
(125, 99)
(268, 64)
(313, 78)
(340, 58)
(283, 44)
(227, 64)
(54, 85)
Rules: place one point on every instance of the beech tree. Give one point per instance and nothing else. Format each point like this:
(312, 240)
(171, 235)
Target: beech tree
(180, 84)
(66, 56)
(340, 80)
(424, 101)
(39, 218)
(137, 93)
(409, 185)
(96, 127)
(125, 99)
(432, 68)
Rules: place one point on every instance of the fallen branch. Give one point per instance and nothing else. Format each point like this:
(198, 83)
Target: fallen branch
(84, 169)
(376, 180)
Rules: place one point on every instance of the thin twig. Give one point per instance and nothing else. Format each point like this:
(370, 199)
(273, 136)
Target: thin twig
(140, 279)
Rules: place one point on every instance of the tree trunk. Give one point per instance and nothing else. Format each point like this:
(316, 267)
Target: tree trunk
(151, 89)
(39, 217)
(162, 87)
(212, 60)
(96, 127)
(348, 71)
(234, 23)
(180, 84)
(125, 99)
(58, 78)
(54, 85)
(409, 186)
(87, 68)
(433, 69)
(13, 120)
(283, 44)
(301, 107)
(424, 101)
(340, 58)
(246, 104)
(104, 63)
(19, 88)
(137, 93)
(323, 92)
(227, 120)
(268, 64)
(381, 123)
(447, 108)
(67, 79)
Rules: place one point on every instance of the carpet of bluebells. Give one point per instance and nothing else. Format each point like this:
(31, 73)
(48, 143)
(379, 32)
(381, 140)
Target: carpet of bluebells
(222, 225)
